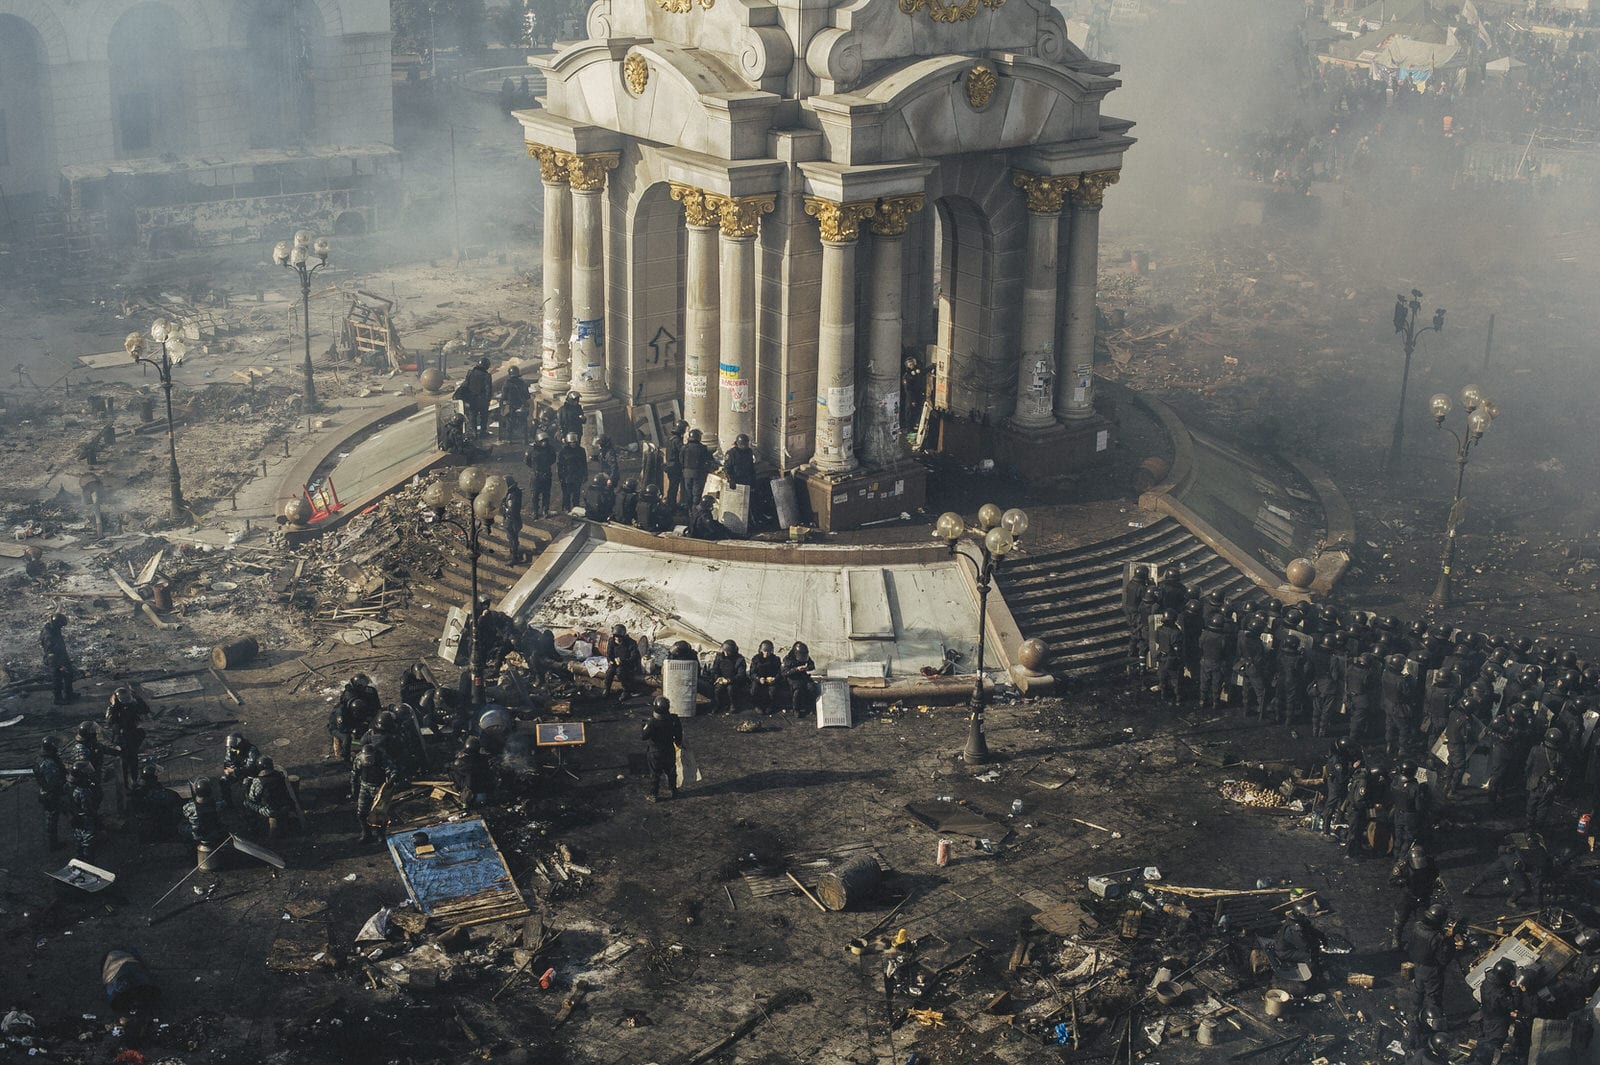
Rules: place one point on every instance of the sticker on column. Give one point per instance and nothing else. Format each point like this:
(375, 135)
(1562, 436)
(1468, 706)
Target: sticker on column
(842, 401)
(1102, 439)
(694, 386)
(592, 330)
(1041, 386)
(739, 396)
(1083, 379)
(587, 375)
(552, 333)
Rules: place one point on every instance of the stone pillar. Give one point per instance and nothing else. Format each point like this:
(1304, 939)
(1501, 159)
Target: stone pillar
(555, 358)
(1075, 387)
(1037, 369)
(880, 435)
(586, 174)
(701, 350)
(836, 333)
(736, 405)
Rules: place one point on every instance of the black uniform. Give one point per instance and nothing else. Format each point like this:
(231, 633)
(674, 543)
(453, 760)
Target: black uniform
(83, 809)
(663, 734)
(672, 466)
(351, 717)
(572, 466)
(1498, 999)
(1257, 662)
(369, 771)
(511, 519)
(1291, 692)
(1409, 802)
(239, 764)
(598, 499)
(541, 459)
(1461, 738)
(1360, 685)
(473, 776)
(268, 797)
(57, 663)
(739, 466)
(729, 679)
(569, 418)
(1416, 893)
(703, 524)
(1169, 660)
(797, 670)
(122, 719)
(609, 462)
(1431, 951)
(158, 810)
(697, 464)
(1213, 660)
(622, 665)
(474, 393)
(50, 776)
(627, 508)
(202, 822)
(766, 670)
(514, 408)
(1545, 769)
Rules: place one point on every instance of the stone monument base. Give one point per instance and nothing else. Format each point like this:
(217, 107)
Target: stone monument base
(858, 498)
(1034, 455)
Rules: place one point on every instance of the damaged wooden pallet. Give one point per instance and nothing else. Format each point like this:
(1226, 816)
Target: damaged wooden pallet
(806, 867)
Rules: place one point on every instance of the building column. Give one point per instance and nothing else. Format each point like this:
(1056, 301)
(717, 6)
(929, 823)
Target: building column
(586, 174)
(701, 349)
(1037, 369)
(1075, 388)
(880, 436)
(555, 351)
(836, 333)
(740, 220)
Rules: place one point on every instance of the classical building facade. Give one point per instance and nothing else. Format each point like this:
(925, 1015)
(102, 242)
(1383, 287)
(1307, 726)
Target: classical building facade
(759, 209)
(195, 121)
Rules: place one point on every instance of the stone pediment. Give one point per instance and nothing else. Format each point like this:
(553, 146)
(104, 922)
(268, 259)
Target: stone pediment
(955, 104)
(747, 36)
(661, 92)
(867, 36)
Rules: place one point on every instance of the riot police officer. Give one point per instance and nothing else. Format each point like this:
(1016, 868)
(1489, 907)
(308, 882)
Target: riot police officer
(202, 816)
(369, 771)
(123, 715)
(50, 776)
(268, 797)
(57, 662)
(83, 808)
(240, 760)
(622, 662)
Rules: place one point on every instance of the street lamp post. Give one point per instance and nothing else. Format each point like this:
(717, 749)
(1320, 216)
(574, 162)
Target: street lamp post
(484, 493)
(163, 333)
(997, 534)
(1481, 413)
(1405, 323)
(298, 254)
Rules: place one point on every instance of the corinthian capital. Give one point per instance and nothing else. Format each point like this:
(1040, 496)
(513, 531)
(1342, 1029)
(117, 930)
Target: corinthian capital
(840, 222)
(893, 214)
(699, 208)
(1045, 192)
(740, 217)
(1091, 190)
(550, 168)
(587, 173)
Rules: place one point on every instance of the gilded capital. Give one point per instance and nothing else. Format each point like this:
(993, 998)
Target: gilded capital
(587, 173)
(840, 222)
(1045, 192)
(550, 168)
(740, 217)
(893, 214)
(1091, 190)
(699, 208)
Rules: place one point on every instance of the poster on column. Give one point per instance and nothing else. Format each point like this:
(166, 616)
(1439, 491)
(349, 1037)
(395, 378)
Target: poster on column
(694, 386)
(740, 396)
(592, 330)
(729, 373)
(842, 401)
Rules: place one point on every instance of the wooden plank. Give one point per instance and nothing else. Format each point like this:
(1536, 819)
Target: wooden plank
(808, 867)
(870, 615)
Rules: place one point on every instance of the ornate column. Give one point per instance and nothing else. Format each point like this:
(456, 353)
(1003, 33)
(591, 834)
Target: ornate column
(587, 176)
(740, 220)
(555, 361)
(836, 332)
(700, 340)
(880, 436)
(1075, 387)
(1037, 369)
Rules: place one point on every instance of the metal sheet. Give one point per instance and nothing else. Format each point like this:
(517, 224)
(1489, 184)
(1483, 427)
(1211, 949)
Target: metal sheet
(451, 646)
(734, 505)
(833, 704)
(679, 679)
(784, 500)
(871, 617)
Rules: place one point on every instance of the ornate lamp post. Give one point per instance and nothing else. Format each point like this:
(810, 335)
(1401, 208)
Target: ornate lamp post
(484, 492)
(163, 333)
(997, 534)
(297, 254)
(1405, 323)
(1481, 413)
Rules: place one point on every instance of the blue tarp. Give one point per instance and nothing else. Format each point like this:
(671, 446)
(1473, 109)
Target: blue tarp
(464, 863)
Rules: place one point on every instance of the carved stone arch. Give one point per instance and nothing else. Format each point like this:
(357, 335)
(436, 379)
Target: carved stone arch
(38, 15)
(195, 24)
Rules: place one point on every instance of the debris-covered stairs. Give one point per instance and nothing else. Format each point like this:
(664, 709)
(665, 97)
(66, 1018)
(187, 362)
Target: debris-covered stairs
(448, 583)
(1072, 599)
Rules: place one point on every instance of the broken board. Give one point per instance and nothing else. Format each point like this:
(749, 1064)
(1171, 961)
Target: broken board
(1056, 916)
(806, 867)
(948, 818)
(871, 616)
(363, 631)
(833, 704)
(106, 360)
(462, 880)
(166, 689)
